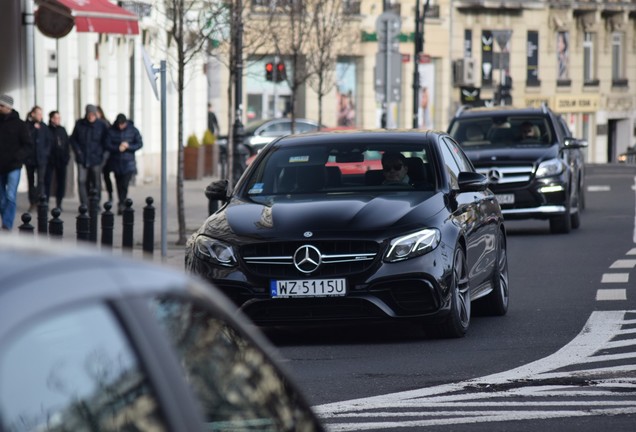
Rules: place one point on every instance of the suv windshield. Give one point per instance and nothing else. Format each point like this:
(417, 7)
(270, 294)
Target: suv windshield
(502, 131)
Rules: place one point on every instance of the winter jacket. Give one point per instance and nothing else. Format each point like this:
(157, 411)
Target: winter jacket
(42, 143)
(123, 162)
(88, 142)
(15, 142)
(61, 150)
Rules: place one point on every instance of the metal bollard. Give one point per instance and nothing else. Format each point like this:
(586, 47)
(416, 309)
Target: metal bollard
(26, 227)
(93, 211)
(149, 227)
(82, 224)
(108, 225)
(128, 225)
(43, 210)
(56, 225)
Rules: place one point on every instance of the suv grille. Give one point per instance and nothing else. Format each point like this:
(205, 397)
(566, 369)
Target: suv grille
(507, 174)
(338, 258)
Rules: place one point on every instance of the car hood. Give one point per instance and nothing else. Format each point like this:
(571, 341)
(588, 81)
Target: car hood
(490, 156)
(361, 216)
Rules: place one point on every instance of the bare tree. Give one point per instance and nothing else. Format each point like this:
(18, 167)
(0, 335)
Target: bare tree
(189, 24)
(328, 29)
(289, 28)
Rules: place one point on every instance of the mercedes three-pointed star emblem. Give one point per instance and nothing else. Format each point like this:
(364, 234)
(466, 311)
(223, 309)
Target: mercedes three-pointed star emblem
(307, 259)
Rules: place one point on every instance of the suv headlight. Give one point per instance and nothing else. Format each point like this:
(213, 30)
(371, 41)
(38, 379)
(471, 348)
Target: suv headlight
(413, 245)
(214, 251)
(549, 168)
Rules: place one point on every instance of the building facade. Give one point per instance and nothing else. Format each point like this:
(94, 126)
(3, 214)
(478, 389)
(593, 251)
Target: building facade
(577, 56)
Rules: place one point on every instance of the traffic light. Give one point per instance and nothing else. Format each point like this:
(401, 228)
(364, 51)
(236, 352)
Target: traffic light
(269, 71)
(281, 73)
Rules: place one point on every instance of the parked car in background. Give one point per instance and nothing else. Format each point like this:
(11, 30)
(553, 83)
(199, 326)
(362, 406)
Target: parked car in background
(262, 132)
(534, 165)
(91, 342)
(300, 241)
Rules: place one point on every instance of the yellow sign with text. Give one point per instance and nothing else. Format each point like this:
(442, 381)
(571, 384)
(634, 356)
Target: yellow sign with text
(576, 103)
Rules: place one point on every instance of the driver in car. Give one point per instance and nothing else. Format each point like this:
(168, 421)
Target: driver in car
(395, 169)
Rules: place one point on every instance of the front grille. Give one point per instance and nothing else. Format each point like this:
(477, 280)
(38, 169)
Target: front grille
(339, 258)
(507, 174)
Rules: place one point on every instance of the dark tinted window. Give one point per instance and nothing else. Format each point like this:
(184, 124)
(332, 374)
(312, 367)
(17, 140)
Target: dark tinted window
(452, 168)
(238, 386)
(501, 131)
(75, 371)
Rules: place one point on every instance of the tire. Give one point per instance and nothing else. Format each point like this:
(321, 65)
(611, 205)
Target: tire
(561, 224)
(496, 303)
(458, 320)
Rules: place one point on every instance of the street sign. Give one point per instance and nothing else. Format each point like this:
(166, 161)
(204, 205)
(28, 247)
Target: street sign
(387, 26)
(502, 37)
(394, 61)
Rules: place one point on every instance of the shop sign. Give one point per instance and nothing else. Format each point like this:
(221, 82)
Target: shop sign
(576, 103)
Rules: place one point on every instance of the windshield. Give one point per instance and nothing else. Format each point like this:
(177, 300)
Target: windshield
(340, 168)
(502, 131)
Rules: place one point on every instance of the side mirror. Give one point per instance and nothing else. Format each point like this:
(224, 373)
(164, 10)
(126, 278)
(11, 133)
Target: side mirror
(217, 190)
(472, 182)
(573, 143)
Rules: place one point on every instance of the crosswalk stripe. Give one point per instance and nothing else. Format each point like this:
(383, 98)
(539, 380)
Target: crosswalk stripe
(611, 294)
(615, 278)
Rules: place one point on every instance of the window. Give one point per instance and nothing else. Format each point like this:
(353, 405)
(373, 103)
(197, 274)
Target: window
(618, 67)
(589, 59)
(452, 168)
(563, 56)
(59, 374)
(238, 387)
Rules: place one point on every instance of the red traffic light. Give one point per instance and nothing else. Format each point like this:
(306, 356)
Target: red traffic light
(269, 71)
(269, 67)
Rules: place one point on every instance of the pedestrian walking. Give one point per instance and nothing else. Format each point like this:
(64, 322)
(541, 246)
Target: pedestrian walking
(88, 142)
(58, 160)
(15, 147)
(213, 123)
(123, 141)
(36, 163)
(108, 182)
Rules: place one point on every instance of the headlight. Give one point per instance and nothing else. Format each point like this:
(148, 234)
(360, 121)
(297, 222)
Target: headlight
(214, 251)
(413, 245)
(550, 168)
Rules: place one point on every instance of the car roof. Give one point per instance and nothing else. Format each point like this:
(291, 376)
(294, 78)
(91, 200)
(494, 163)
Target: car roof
(405, 136)
(468, 111)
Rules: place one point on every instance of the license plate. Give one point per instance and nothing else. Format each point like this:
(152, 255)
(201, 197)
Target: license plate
(308, 288)
(505, 198)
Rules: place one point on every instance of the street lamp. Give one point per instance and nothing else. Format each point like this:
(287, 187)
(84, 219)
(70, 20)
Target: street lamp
(237, 128)
(419, 49)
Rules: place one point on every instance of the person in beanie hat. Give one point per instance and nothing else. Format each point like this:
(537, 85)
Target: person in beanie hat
(88, 143)
(123, 141)
(37, 162)
(15, 147)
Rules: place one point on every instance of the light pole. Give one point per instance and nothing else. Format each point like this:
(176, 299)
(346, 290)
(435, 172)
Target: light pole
(419, 49)
(237, 128)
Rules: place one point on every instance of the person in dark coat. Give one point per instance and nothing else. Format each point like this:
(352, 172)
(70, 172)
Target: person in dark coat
(88, 142)
(58, 160)
(15, 147)
(108, 183)
(123, 141)
(37, 162)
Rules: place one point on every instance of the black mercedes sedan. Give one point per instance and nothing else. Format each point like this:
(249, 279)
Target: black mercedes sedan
(299, 241)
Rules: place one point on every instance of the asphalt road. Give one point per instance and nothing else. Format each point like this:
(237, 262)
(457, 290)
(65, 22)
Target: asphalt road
(562, 359)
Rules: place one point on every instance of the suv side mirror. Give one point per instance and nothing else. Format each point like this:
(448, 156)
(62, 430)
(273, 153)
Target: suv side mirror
(472, 182)
(574, 143)
(217, 190)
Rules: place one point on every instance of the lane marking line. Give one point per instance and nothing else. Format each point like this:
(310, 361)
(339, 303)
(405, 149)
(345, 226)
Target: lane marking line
(624, 264)
(615, 278)
(611, 294)
(599, 188)
(631, 252)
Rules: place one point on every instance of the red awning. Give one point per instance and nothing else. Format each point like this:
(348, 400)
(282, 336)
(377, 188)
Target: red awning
(96, 16)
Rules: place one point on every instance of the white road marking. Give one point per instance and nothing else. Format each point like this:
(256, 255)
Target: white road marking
(615, 278)
(599, 188)
(631, 252)
(552, 387)
(624, 264)
(611, 294)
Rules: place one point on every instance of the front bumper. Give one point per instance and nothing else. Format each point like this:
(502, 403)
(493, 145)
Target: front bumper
(385, 291)
(538, 199)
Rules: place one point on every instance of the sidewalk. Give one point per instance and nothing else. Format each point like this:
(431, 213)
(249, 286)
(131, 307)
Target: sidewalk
(195, 209)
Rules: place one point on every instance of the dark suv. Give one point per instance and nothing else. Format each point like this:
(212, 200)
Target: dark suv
(535, 167)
